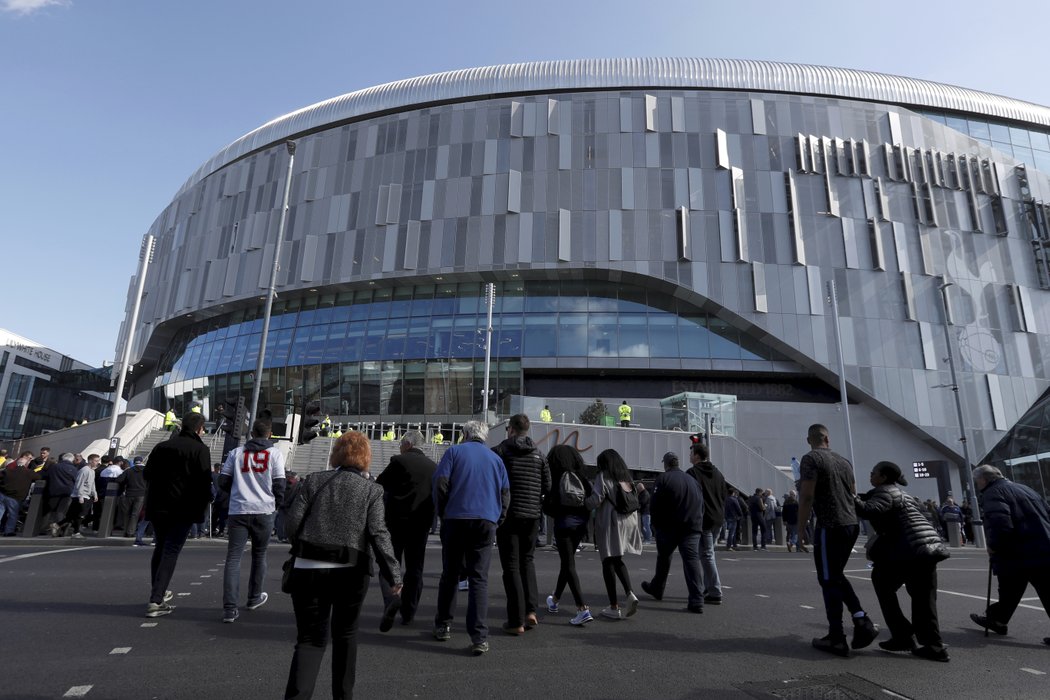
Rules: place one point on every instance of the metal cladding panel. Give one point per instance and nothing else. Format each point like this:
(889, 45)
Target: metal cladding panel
(615, 73)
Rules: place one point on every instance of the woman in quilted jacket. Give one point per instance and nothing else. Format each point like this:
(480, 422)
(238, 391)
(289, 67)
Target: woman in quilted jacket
(904, 552)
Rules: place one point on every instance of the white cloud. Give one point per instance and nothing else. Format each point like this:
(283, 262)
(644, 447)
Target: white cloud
(25, 7)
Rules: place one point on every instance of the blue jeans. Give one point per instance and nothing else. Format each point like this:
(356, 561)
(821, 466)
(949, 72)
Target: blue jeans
(466, 545)
(732, 531)
(688, 546)
(647, 530)
(241, 528)
(712, 585)
(9, 507)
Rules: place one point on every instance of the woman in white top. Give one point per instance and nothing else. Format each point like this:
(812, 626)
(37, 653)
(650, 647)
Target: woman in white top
(615, 533)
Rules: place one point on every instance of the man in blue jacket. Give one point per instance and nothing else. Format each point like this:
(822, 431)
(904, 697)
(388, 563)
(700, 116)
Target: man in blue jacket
(472, 493)
(1017, 525)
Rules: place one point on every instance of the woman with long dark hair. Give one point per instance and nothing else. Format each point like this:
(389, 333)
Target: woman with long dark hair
(904, 552)
(615, 533)
(335, 519)
(566, 503)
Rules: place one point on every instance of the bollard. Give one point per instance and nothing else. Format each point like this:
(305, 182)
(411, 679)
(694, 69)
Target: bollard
(743, 533)
(778, 531)
(109, 508)
(954, 534)
(35, 515)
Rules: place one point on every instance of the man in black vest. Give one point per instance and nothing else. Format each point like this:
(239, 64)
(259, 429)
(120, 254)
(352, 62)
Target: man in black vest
(409, 514)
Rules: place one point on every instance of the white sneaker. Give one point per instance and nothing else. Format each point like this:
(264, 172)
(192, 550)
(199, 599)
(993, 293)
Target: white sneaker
(552, 604)
(611, 613)
(263, 597)
(168, 595)
(581, 618)
(632, 604)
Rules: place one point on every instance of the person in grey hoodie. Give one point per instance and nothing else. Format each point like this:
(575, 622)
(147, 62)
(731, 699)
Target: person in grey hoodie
(254, 477)
(81, 496)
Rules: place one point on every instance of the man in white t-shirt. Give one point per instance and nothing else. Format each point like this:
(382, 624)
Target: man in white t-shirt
(254, 477)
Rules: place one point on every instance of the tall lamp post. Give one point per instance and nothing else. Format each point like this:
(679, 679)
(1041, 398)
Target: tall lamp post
(145, 258)
(271, 291)
(490, 301)
(967, 475)
(842, 372)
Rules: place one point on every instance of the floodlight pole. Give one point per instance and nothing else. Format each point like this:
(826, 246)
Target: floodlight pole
(842, 373)
(271, 291)
(145, 258)
(967, 475)
(490, 301)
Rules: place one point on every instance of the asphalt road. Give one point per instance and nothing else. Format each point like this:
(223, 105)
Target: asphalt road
(73, 617)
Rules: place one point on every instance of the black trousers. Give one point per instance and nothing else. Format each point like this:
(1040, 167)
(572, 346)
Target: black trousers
(409, 540)
(831, 549)
(516, 539)
(1012, 585)
(326, 601)
(466, 548)
(170, 538)
(920, 581)
(567, 540)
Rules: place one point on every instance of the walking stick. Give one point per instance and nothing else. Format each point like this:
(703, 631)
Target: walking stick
(988, 597)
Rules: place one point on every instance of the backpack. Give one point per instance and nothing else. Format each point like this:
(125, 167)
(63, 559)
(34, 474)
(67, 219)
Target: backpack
(625, 502)
(570, 491)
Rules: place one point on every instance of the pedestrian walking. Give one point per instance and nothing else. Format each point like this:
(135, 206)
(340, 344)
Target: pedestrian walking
(904, 551)
(566, 504)
(254, 477)
(616, 530)
(178, 477)
(336, 522)
(678, 510)
(828, 487)
(472, 493)
(1017, 526)
(713, 487)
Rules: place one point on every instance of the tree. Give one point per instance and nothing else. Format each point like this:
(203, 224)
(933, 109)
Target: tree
(594, 414)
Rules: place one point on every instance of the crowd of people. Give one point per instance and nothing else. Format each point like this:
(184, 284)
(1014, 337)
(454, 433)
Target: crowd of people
(343, 522)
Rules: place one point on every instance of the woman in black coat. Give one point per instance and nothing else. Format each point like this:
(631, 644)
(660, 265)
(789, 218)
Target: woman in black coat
(904, 552)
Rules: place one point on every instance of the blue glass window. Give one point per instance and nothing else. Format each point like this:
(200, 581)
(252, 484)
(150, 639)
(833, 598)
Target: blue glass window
(663, 336)
(572, 335)
(541, 335)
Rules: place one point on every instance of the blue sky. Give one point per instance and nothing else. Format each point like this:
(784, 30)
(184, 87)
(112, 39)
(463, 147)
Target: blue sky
(108, 106)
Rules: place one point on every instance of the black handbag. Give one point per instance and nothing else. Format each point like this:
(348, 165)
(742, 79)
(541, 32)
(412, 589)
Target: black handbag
(289, 566)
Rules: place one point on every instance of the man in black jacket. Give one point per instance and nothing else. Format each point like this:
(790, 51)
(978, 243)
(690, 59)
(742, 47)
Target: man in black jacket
(409, 513)
(178, 474)
(58, 485)
(1017, 525)
(530, 481)
(713, 486)
(678, 516)
(133, 481)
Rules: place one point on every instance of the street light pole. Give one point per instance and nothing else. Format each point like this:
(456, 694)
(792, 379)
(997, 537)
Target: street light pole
(967, 475)
(145, 258)
(271, 291)
(490, 301)
(842, 372)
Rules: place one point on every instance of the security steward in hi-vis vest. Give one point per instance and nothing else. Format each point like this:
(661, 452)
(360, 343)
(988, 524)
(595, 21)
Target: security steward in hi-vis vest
(625, 415)
(439, 438)
(545, 414)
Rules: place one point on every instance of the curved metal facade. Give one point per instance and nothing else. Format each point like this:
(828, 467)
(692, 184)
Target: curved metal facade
(736, 189)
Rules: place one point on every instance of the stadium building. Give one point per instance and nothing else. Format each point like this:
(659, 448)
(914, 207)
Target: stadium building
(652, 226)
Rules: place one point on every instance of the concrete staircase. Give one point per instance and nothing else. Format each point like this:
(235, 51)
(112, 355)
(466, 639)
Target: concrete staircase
(313, 456)
(213, 442)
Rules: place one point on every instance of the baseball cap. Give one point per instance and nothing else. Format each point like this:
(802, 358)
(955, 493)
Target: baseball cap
(670, 458)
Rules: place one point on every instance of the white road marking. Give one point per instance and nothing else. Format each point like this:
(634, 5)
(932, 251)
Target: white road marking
(50, 551)
(78, 691)
(895, 695)
(726, 587)
(761, 595)
(196, 583)
(182, 595)
(213, 570)
(205, 575)
(961, 595)
(807, 607)
(120, 650)
(1033, 671)
(728, 559)
(149, 624)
